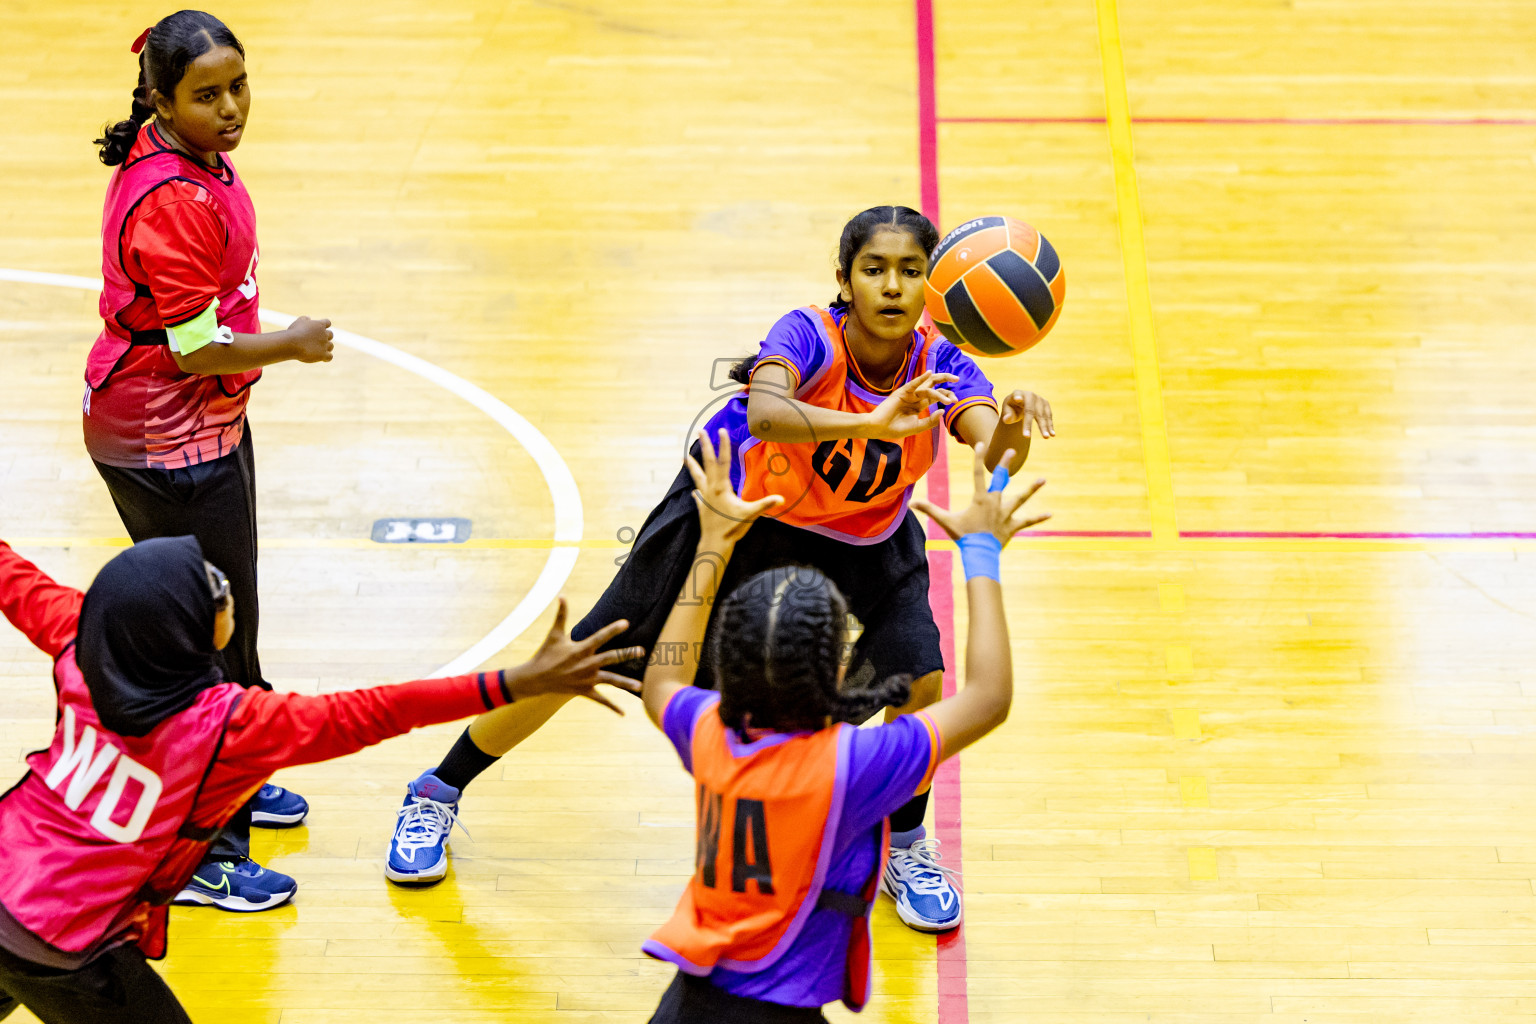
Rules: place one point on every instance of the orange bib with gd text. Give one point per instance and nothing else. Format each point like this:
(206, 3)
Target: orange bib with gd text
(853, 489)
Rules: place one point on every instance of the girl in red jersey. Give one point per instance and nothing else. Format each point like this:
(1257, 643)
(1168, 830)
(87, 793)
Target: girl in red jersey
(838, 418)
(169, 376)
(154, 752)
(774, 923)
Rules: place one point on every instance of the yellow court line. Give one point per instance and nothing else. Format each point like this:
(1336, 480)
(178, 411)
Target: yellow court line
(1133, 251)
(1188, 545)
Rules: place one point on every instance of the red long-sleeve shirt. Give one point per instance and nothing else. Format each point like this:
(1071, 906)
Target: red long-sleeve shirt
(267, 731)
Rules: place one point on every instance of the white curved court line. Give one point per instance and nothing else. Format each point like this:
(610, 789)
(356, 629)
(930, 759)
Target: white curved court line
(557, 475)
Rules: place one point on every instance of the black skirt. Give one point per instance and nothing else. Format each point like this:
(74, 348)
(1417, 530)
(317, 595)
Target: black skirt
(690, 1000)
(885, 584)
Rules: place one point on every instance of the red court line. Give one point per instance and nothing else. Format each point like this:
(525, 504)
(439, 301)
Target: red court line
(1452, 122)
(1364, 535)
(1284, 535)
(953, 1006)
(927, 115)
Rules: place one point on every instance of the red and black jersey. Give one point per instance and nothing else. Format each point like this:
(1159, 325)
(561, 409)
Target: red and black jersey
(177, 237)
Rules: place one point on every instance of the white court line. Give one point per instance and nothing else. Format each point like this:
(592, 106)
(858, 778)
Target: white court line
(557, 475)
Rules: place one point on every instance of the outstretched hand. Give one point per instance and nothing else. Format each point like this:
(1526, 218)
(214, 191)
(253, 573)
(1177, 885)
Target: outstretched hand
(1022, 406)
(905, 412)
(724, 517)
(575, 668)
(990, 511)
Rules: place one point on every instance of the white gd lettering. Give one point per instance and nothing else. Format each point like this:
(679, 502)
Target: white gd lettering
(84, 766)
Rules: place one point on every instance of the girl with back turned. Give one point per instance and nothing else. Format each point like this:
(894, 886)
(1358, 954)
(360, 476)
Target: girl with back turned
(792, 799)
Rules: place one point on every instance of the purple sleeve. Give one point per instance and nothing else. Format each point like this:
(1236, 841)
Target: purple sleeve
(971, 389)
(795, 342)
(682, 714)
(890, 763)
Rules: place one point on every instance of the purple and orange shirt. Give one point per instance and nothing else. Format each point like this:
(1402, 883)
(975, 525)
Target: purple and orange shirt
(852, 489)
(887, 765)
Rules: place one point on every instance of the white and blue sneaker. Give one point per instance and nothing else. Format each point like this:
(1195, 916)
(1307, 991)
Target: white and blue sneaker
(276, 807)
(418, 853)
(925, 897)
(239, 885)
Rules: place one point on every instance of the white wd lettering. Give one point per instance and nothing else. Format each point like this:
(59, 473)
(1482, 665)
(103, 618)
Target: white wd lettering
(127, 768)
(84, 766)
(76, 762)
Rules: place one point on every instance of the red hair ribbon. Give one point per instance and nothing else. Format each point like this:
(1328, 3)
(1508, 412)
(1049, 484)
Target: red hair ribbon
(138, 44)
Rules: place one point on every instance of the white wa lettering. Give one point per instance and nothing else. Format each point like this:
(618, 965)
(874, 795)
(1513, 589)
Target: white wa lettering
(76, 762)
(84, 766)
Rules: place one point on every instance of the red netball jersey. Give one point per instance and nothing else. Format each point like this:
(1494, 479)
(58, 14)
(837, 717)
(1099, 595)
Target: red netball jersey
(176, 237)
(851, 488)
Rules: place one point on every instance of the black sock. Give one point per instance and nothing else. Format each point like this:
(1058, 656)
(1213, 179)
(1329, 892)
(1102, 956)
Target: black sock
(910, 814)
(463, 763)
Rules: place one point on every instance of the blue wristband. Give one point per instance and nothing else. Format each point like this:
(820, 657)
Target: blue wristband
(980, 555)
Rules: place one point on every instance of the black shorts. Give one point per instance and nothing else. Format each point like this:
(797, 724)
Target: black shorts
(690, 1000)
(885, 584)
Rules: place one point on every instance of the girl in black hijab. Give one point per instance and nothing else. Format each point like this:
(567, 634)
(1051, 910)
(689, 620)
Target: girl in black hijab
(153, 753)
(146, 645)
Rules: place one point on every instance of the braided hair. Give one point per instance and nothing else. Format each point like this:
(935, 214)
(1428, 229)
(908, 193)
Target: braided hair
(777, 647)
(856, 234)
(169, 49)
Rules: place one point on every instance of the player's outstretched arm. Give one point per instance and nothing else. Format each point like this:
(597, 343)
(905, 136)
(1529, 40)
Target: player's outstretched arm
(44, 611)
(982, 531)
(774, 414)
(724, 519)
(1010, 431)
(269, 731)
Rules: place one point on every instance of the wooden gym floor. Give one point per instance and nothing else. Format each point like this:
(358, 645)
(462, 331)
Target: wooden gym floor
(1273, 757)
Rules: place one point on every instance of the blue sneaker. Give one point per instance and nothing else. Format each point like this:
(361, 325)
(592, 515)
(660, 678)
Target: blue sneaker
(243, 886)
(276, 807)
(418, 853)
(925, 897)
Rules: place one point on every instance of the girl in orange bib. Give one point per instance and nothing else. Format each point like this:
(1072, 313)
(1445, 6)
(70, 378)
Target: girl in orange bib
(844, 411)
(791, 798)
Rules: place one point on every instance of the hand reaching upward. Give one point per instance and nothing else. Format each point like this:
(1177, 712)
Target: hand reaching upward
(989, 511)
(724, 517)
